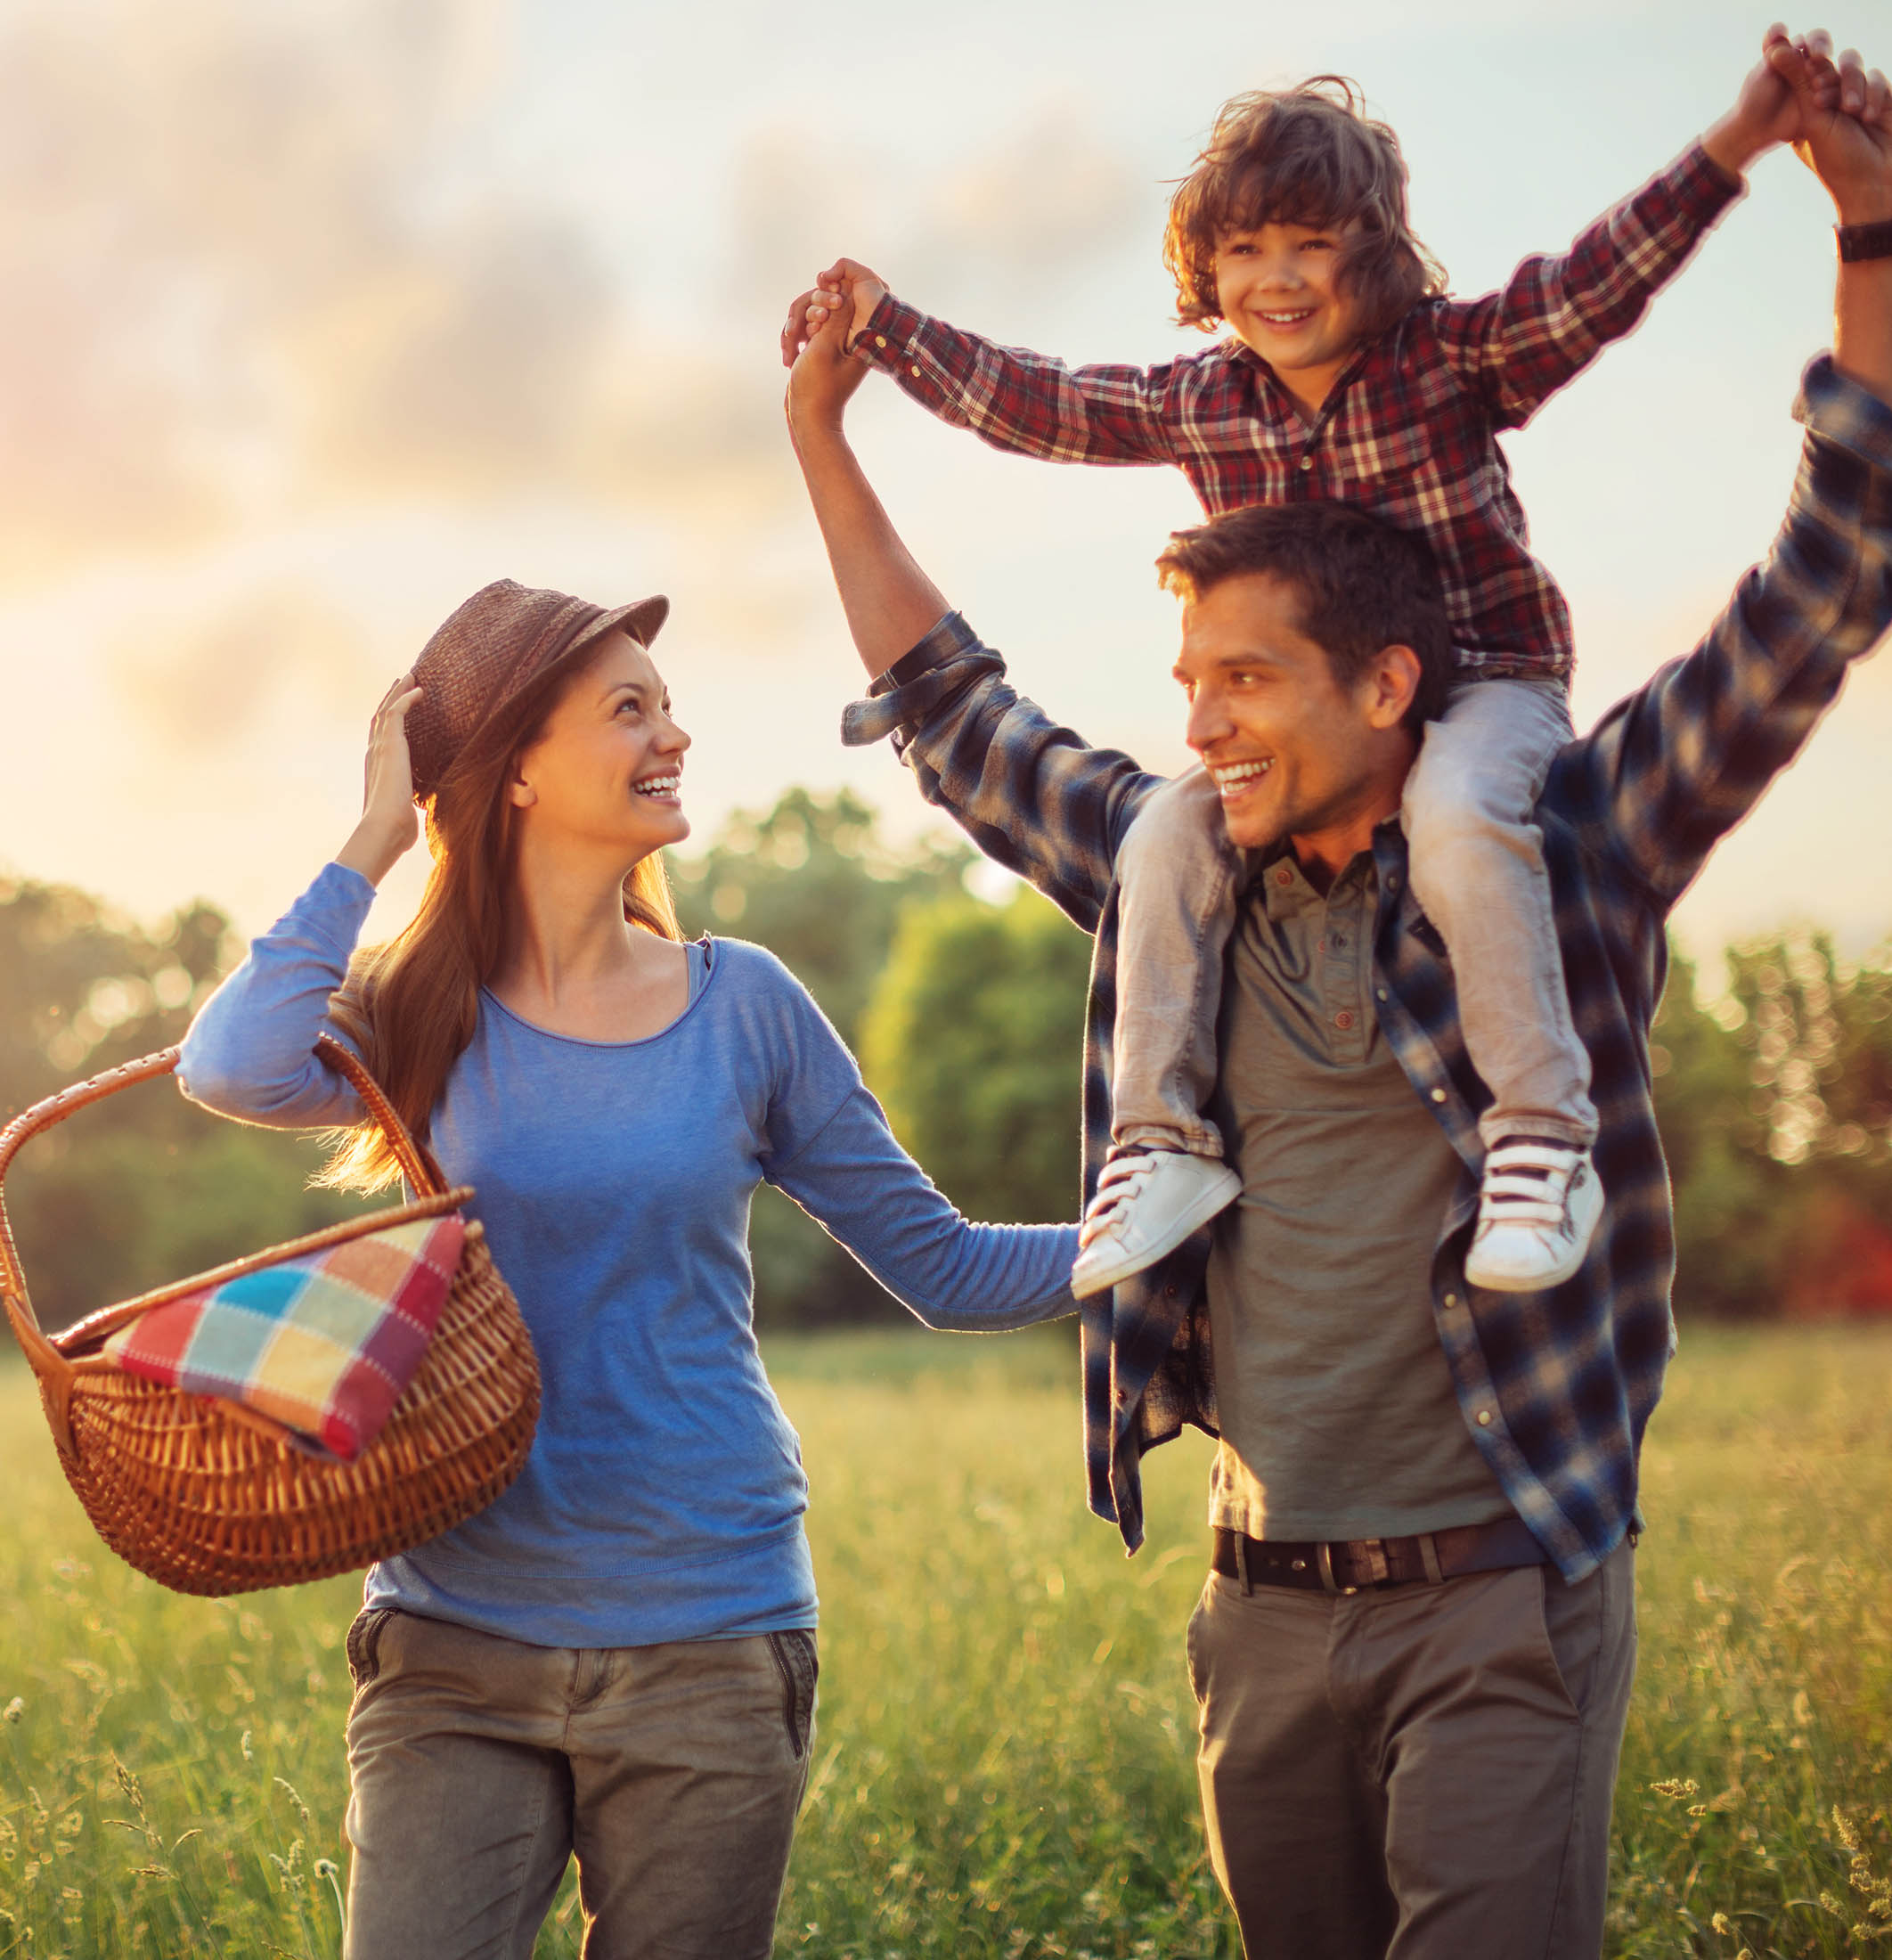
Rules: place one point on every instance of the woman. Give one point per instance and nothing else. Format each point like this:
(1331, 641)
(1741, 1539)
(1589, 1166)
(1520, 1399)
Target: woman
(618, 1656)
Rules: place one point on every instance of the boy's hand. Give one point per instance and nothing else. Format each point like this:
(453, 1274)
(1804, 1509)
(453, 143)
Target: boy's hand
(847, 290)
(821, 377)
(1770, 109)
(1845, 136)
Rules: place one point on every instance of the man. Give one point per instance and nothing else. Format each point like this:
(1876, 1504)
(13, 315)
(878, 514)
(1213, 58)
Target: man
(1414, 1654)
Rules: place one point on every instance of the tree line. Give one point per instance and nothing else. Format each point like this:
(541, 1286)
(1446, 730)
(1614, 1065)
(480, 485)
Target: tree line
(1775, 1099)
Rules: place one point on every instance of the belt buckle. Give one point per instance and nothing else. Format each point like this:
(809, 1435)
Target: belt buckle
(1368, 1555)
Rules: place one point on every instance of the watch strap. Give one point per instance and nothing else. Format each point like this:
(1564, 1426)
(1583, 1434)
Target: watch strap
(1857, 242)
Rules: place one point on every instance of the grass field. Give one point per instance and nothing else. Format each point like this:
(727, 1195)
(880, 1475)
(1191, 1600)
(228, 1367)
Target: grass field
(1003, 1766)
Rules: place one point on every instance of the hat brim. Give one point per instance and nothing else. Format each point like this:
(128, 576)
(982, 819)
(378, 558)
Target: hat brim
(642, 619)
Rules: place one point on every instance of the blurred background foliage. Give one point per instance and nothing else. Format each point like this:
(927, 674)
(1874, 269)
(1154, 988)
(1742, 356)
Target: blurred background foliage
(1776, 1097)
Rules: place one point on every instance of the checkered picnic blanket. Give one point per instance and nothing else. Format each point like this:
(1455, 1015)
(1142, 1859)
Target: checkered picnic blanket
(324, 1343)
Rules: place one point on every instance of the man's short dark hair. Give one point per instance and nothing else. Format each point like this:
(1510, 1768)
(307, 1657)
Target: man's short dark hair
(1363, 584)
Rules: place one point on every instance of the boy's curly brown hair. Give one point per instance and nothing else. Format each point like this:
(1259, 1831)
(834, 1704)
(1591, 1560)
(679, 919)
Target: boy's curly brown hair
(1307, 155)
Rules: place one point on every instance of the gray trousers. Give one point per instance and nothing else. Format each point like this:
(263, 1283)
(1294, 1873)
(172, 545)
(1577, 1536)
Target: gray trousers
(476, 1765)
(1476, 867)
(1421, 1773)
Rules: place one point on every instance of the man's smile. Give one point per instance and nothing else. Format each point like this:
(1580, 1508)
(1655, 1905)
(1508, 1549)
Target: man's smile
(1234, 780)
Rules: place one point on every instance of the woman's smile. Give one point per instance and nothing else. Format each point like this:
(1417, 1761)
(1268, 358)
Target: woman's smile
(667, 788)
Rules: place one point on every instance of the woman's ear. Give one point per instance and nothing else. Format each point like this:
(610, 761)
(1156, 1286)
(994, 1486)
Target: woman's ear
(520, 793)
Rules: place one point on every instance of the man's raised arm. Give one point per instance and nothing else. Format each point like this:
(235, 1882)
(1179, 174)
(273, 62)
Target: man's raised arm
(1030, 793)
(890, 603)
(1671, 769)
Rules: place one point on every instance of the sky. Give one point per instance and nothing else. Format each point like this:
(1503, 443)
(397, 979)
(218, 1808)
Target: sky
(316, 317)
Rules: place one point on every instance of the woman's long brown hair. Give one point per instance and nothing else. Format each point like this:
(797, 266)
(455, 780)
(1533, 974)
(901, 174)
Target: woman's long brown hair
(409, 1008)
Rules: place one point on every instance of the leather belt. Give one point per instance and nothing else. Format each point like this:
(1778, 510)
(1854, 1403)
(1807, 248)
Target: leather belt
(1346, 1566)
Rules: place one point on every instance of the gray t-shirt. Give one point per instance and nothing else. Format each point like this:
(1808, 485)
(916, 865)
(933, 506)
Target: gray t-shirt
(1338, 1415)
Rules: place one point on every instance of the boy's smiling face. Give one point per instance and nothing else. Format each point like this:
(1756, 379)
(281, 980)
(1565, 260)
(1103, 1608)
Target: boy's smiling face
(1279, 288)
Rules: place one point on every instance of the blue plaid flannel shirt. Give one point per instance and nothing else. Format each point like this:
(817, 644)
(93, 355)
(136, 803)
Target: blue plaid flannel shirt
(1557, 1386)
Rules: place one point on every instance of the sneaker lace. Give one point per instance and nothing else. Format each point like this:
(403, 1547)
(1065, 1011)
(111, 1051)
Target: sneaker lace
(1526, 1184)
(1121, 1180)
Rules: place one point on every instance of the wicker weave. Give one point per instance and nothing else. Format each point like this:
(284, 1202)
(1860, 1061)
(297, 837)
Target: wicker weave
(207, 1496)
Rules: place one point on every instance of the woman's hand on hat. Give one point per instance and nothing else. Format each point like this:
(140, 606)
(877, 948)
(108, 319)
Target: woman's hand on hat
(390, 824)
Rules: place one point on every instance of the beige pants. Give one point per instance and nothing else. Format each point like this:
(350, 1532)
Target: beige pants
(478, 1766)
(1421, 1773)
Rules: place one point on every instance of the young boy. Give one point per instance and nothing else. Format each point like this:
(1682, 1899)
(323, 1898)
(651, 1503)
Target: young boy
(1348, 376)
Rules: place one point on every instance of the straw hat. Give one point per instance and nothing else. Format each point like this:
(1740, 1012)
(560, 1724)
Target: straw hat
(500, 642)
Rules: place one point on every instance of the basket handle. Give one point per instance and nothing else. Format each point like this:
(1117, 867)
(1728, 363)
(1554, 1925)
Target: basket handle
(418, 1166)
(52, 1368)
(55, 1371)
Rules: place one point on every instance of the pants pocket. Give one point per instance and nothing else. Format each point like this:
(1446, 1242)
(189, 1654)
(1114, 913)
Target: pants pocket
(1192, 1643)
(793, 1651)
(363, 1645)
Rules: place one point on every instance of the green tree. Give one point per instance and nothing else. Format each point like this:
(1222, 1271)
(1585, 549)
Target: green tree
(1728, 1191)
(1776, 1115)
(974, 1042)
(141, 1188)
(812, 880)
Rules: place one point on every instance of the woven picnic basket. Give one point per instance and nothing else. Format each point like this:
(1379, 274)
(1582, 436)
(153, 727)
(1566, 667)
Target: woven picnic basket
(208, 1496)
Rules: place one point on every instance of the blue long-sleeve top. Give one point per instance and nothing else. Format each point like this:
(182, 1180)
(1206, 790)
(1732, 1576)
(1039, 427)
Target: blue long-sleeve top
(664, 1496)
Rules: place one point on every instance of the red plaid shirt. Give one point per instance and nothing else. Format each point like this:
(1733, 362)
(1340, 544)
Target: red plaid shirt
(1408, 430)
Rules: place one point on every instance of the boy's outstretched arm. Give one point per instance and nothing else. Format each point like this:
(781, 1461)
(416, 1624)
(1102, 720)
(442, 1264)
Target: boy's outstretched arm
(1026, 403)
(1518, 346)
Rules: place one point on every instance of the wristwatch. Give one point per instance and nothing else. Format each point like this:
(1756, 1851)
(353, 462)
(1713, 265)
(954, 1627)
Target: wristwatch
(1858, 242)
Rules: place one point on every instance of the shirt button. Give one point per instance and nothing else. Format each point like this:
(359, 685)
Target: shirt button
(915, 372)
(1439, 1095)
(1392, 881)
(1451, 1300)
(880, 339)
(1343, 1019)
(1284, 875)
(1307, 463)
(1379, 993)
(1484, 1419)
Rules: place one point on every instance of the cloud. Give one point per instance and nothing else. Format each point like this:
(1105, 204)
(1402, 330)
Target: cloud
(1049, 196)
(1055, 193)
(197, 684)
(252, 267)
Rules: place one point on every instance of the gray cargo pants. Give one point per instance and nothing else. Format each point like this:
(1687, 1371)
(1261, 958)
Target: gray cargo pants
(478, 1766)
(1423, 1772)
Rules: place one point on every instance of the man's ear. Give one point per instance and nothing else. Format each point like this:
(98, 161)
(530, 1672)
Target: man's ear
(1390, 685)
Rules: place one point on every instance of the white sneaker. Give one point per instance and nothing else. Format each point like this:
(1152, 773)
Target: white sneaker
(1538, 1207)
(1147, 1203)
